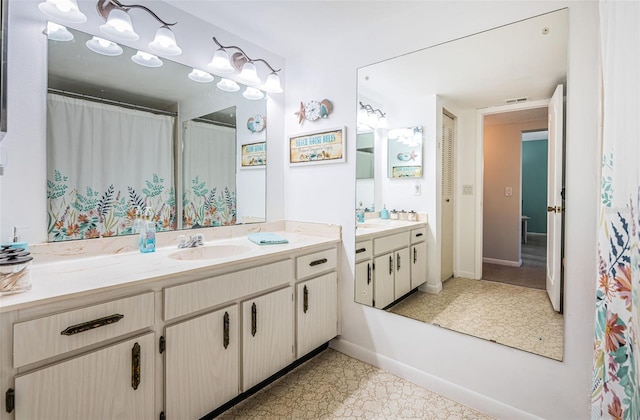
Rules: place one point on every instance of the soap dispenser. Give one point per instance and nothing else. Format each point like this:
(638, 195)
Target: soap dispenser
(384, 213)
(147, 232)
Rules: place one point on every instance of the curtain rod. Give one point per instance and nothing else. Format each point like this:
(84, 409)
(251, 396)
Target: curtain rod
(220, 123)
(110, 102)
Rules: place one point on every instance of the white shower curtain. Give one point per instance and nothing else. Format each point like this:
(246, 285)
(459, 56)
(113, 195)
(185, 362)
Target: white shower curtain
(102, 162)
(209, 157)
(616, 355)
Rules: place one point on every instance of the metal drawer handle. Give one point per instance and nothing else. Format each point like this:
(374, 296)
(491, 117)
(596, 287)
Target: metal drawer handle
(135, 366)
(368, 273)
(254, 320)
(360, 250)
(419, 235)
(225, 328)
(390, 265)
(398, 261)
(96, 323)
(305, 299)
(317, 262)
(415, 255)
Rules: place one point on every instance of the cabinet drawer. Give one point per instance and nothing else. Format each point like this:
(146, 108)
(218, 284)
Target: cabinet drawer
(318, 262)
(418, 235)
(52, 335)
(203, 294)
(391, 242)
(364, 250)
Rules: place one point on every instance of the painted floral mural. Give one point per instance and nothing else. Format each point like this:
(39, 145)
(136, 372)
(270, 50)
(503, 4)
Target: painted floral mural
(95, 213)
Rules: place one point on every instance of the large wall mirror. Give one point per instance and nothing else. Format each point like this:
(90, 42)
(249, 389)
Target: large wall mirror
(491, 106)
(128, 131)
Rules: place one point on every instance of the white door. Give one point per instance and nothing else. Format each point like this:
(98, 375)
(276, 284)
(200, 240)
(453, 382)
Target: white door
(446, 235)
(554, 199)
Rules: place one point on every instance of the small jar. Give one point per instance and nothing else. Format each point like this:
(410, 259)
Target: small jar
(412, 216)
(15, 276)
(393, 215)
(404, 215)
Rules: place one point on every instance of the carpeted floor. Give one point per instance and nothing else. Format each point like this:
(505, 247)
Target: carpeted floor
(515, 316)
(335, 386)
(532, 272)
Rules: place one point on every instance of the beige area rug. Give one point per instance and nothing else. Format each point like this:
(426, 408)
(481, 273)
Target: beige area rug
(515, 316)
(335, 386)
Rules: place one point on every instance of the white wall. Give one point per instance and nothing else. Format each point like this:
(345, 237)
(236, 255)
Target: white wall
(495, 378)
(23, 186)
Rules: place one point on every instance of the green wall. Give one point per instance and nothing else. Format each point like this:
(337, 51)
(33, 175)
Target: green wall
(534, 184)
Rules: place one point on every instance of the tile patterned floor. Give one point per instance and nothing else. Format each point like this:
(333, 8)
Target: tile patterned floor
(335, 386)
(516, 316)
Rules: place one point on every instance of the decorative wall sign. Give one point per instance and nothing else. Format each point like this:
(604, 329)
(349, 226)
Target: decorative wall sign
(318, 147)
(254, 155)
(257, 123)
(406, 172)
(314, 110)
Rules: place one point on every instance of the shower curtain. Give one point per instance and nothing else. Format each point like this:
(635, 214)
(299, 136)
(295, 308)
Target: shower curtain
(209, 172)
(616, 355)
(103, 161)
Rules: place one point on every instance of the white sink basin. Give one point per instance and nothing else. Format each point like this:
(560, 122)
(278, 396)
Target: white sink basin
(209, 252)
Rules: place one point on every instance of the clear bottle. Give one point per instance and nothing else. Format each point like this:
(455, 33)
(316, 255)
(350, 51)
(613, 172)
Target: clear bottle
(137, 222)
(147, 232)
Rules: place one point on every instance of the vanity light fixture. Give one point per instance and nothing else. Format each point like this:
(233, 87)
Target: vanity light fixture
(57, 32)
(146, 59)
(63, 10)
(253, 93)
(373, 118)
(118, 26)
(227, 85)
(104, 47)
(240, 61)
(200, 76)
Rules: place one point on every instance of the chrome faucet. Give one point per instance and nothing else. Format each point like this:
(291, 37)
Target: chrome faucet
(194, 241)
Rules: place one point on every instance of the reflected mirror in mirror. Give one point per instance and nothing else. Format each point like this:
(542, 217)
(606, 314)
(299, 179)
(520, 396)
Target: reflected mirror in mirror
(123, 136)
(365, 169)
(478, 99)
(405, 152)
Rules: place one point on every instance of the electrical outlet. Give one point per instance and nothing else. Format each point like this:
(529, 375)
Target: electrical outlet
(467, 190)
(417, 189)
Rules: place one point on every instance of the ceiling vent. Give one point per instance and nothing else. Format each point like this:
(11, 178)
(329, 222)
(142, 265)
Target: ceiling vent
(516, 100)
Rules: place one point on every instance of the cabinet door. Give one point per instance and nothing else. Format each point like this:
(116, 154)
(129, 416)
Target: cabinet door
(418, 264)
(116, 382)
(317, 312)
(267, 336)
(383, 280)
(364, 283)
(201, 364)
(402, 267)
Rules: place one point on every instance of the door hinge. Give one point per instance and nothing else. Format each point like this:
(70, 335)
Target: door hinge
(162, 344)
(162, 416)
(10, 400)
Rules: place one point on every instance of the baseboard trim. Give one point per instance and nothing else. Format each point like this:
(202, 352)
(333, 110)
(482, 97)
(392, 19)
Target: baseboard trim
(465, 274)
(433, 383)
(502, 262)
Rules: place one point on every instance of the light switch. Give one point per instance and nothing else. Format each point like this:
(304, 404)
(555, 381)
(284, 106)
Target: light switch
(417, 189)
(508, 191)
(467, 190)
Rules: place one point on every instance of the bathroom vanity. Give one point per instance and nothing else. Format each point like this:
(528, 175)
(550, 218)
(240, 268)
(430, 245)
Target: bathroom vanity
(391, 260)
(172, 334)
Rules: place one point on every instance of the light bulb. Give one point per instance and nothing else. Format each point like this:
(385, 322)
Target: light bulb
(249, 74)
(104, 47)
(272, 84)
(220, 62)
(146, 59)
(119, 26)
(253, 93)
(63, 10)
(227, 85)
(200, 76)
(165, 42)
(57, 32)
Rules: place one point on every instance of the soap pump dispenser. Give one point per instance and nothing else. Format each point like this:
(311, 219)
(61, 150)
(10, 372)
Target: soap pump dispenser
(147, 232)
(384, 213)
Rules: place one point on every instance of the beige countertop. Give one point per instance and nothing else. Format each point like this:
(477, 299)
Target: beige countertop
(374, 227)
(58, 273)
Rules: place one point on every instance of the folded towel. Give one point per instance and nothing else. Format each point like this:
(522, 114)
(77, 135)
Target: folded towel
(266, 238)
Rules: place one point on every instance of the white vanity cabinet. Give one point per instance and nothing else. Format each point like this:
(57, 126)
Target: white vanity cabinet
(392, 272)
(116, 382)
(79, 363)
(267, 336)
(418, 257)
(364, 273)
(202, 363)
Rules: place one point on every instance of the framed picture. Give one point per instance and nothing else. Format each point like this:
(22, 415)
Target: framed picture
(327, 146)
(254, 155)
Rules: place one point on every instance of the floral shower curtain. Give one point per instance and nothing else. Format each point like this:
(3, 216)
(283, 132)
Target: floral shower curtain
(616, 355)
(103, 161)
(209, 197)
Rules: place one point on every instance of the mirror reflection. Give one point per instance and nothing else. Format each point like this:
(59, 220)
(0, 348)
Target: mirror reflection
(490, 107)
(405, 152)
(125, 132)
